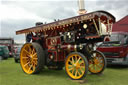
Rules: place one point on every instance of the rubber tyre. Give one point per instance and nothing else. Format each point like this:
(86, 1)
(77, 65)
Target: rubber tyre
(40, 57)
(105, 63)
(85, 62)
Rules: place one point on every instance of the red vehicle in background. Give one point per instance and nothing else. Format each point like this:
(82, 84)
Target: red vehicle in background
(10, 43)
(116, 50)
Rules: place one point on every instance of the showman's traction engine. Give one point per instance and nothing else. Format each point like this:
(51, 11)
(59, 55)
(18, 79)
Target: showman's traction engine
(69, 42)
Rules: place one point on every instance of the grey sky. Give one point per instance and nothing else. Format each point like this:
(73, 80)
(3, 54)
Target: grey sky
(20, 14)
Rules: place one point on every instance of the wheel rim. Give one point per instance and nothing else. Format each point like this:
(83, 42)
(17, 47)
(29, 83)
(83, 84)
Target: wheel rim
(75, 66)
(96, 64)
(28, 58)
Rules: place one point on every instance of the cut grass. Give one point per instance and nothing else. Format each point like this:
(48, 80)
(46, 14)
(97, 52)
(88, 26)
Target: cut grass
(12, 74)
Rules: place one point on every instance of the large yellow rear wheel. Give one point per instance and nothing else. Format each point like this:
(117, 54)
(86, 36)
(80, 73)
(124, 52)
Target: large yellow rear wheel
(31, 58)
(98, 62)
(76, 65)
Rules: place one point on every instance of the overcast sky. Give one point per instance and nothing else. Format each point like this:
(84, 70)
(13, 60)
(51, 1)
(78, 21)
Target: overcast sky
(20, 14)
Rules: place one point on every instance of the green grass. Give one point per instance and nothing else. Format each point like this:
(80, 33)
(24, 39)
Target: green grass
(12, 74)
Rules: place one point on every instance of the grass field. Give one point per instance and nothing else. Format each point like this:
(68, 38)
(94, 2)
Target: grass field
(12, 74)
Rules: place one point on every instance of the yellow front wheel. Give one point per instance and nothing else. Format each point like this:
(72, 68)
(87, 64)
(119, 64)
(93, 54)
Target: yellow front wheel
(98, 62)
(32, 58)
(76, 65)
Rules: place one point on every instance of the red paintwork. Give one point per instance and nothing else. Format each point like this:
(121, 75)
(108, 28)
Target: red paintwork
(59, 55)
(52, 43)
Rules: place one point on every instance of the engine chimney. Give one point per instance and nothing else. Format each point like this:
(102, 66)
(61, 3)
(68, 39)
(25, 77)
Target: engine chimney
(81, 7)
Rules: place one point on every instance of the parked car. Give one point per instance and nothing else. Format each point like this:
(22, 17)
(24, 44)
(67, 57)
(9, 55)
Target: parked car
(116, 50)
(17, 54)
(4, 52)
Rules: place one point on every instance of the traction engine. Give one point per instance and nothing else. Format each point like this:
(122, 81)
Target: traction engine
(69, 42)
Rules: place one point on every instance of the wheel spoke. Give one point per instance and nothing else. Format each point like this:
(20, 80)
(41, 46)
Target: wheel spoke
(91, 65)
(81, 62)
(35, 58)
(75, 58)
(81, 70)
(69, 65)
(35, 63)
(99, 66)
(35, 54)
(95, 67)
(24, 57)
(70, 69)
(26, 64)
(34, 67)
(76, 73)
(29, 68)
(101, 61)
(33, 51)
(26, 51)
(30, 49)
(72, 60)
(78, 60)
